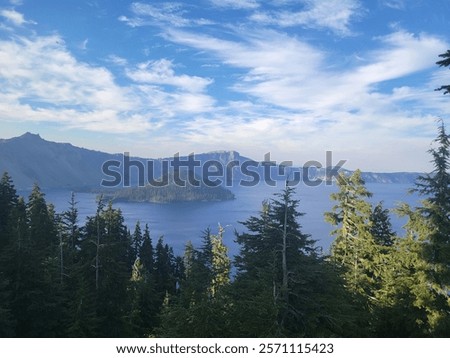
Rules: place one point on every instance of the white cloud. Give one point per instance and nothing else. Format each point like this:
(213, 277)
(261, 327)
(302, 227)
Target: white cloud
(334, 15)
(117, 60)
(15, 17)
(83, 45)
(42, 81)
(162, 14)
(394, 4)
(318, 104)
(236, 4)
(161, 72)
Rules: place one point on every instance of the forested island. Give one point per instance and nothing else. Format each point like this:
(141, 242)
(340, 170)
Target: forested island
(60, 278)
(171, 193)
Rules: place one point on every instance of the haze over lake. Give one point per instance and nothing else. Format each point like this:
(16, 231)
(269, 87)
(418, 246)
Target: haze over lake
(181, 222)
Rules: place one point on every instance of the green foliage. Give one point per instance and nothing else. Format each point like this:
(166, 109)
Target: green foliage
(277, 290)
(354, 249)
(60, 279)
(381, 228)
(173, 193)
(201, 308)
(445, 62)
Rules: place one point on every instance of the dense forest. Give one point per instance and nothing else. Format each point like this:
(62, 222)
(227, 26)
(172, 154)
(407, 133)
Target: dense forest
(168, 191)
(60, 278)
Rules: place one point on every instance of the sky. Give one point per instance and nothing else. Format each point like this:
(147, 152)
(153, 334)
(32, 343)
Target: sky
(295, 78)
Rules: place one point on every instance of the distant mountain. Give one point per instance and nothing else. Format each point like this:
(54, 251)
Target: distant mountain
(30, 159)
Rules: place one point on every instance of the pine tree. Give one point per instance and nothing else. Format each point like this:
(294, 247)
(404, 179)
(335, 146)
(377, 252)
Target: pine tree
(355, 251)
(144, 310)
(436, 208)
(17, 267)
(276, 279)
(8, 207)
(112, 295)
(381, 227)
(136, 243)
(146, 253)
(8, 200)
(354, 248)
(220, 264)
(404, 301)
(200, 308)
(39, 298)
(164, 269)
(430, 226)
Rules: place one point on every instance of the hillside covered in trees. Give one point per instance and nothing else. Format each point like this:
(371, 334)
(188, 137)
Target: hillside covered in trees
(169, 191)
(61, 278)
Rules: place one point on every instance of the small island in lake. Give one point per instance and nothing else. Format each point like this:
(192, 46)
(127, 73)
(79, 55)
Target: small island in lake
(171, 193)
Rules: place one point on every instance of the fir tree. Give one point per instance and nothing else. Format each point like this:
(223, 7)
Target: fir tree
(381, 227)
(146, 253)
(354, 248)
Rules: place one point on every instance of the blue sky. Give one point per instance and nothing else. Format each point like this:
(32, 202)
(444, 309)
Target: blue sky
(292, 77)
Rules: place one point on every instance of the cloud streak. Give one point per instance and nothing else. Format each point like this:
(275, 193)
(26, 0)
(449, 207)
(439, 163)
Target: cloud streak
(334, 15)
(14, 17)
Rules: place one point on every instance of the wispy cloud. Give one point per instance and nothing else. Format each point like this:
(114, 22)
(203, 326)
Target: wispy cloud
(394, 4)
(236, 4)
(334, 15)
(304, 97)
(16, 2)
(162, 14)
(161, 72)
(83, 45)
(15, 17)
(43, 81)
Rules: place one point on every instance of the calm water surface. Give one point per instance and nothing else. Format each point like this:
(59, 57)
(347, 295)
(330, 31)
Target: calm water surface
(180, 222)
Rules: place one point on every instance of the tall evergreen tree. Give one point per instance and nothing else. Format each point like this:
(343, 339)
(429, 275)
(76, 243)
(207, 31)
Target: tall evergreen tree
(355, 251)
(436, 208)
(354, 248)
(381, 227)
(136, 243)
(430, 225)
(146, 253)
(404, 302)
(276, 279)
(8, 200)
(144, 309)
(200, 309)
(8, 208)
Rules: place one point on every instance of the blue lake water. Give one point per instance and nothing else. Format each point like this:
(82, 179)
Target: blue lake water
(181, 222)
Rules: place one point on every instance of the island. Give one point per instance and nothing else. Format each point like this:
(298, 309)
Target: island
(171, 193)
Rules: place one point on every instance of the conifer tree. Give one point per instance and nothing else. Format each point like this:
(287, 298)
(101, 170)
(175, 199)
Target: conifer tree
(429, 226)
(144, 310)
(136, 243)
(8, 200)
(146, 253)
(8, 208)
(276, 276)
(381, 227)
(404, 301)
(200, 309)
(354, 248)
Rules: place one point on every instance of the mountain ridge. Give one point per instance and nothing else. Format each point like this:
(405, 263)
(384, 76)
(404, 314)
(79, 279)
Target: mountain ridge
(31, 159)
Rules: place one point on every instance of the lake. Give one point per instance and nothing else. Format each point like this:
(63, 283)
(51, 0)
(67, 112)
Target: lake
(181, 222)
